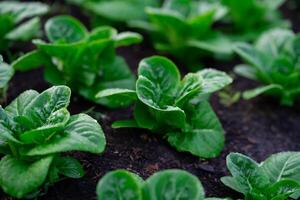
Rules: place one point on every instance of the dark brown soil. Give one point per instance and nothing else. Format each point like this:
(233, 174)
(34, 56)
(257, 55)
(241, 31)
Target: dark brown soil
(257, 128)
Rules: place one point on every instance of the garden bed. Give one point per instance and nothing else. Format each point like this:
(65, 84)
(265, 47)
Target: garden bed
(257, 128)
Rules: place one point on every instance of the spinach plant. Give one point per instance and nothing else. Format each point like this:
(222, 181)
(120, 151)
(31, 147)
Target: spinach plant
(115, 11)
(168, 184)
(248, 19)
(273, 61)
(34, 130)
(276, 178)
(184, 29)
(176, 109)
(6, 73)
(19, 21)
(86, 62)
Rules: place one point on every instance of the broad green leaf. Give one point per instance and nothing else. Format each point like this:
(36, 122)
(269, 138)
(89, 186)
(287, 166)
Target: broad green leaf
(69, 167)
(117, 97)
(246, 71)
(49, 101)
(120, 185)
(6, 73)
(249, 94)
(204, 137)
(31, 60)
(6, 128)
(16, 107)
(246, 173)
(173, 184)
(234, 184)
(127, 38)
(55, 123)
(65, 29)
(281, 166)
(283, 189)
(143, 117)
(214, 80)
(19, 177)
(82, 133)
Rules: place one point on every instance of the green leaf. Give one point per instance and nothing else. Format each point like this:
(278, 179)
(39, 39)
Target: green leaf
(69, 167)
(173, 184)
(127, 38)
(6, 73)
(249, 94)
(214, 80)
(49, 101)
(18, 177)
(55, 123)
(65, 28)
(143, 117)
(6, 128)
(285, 165)
(82, 133)
(117, 97)
(205, 135)
(120, 185)
(283, 189)
(125, 124)
(246, 71)
(16, 107)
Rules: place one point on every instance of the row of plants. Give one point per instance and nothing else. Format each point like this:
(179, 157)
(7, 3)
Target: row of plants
(36, 128)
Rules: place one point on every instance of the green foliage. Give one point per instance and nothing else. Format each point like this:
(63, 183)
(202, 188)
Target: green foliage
(6, 73)
(176, 109)
(168, 184)
(276, 178)
(34, 130)
(184, 29)
(19, 21)
(273, 61)
(86, 62)
(115, 11)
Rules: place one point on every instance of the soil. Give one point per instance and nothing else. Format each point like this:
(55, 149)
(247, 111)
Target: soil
(258, 128)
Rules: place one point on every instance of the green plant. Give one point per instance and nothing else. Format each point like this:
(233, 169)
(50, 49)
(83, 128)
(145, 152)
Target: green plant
(168, 184)
(176, 109)
(6, 73)
(34, 130)
(276, 178)
(273, 61)
(19, 21)
(115, 11)
(184, 29)
(86, 62)
(247, 20)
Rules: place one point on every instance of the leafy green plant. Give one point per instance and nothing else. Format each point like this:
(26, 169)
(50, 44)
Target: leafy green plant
(6, 73)
(34, 130)
(86, 62)
(19, 21)
(276, 178)
(168, 184)
(264, 15)
(115, 11)
(273, 61)
(176, 109)
(183, 28)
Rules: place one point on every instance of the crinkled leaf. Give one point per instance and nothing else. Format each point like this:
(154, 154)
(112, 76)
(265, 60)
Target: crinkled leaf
(173, 184)
(120, 185)
(82, 133)
(69, 167)
(19, 177)
(6, 128)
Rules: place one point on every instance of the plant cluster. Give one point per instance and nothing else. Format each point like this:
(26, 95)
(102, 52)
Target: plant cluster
(176, 109)
(86, 62)
(34, 130)
(274, 60)
(276, 178)
(19, 21)
(168, 184)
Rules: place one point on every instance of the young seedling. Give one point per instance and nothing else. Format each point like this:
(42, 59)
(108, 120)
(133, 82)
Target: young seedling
(264, 16)
(273, 61)
(6, 73)
(184, 29)
(34, 130)
(168, 184)
(115, 11)
(176, 109)
(276, 178)
(19, 21)
(86, 62)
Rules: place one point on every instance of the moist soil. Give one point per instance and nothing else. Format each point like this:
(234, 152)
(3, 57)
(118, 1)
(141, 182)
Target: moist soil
(257, 128)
